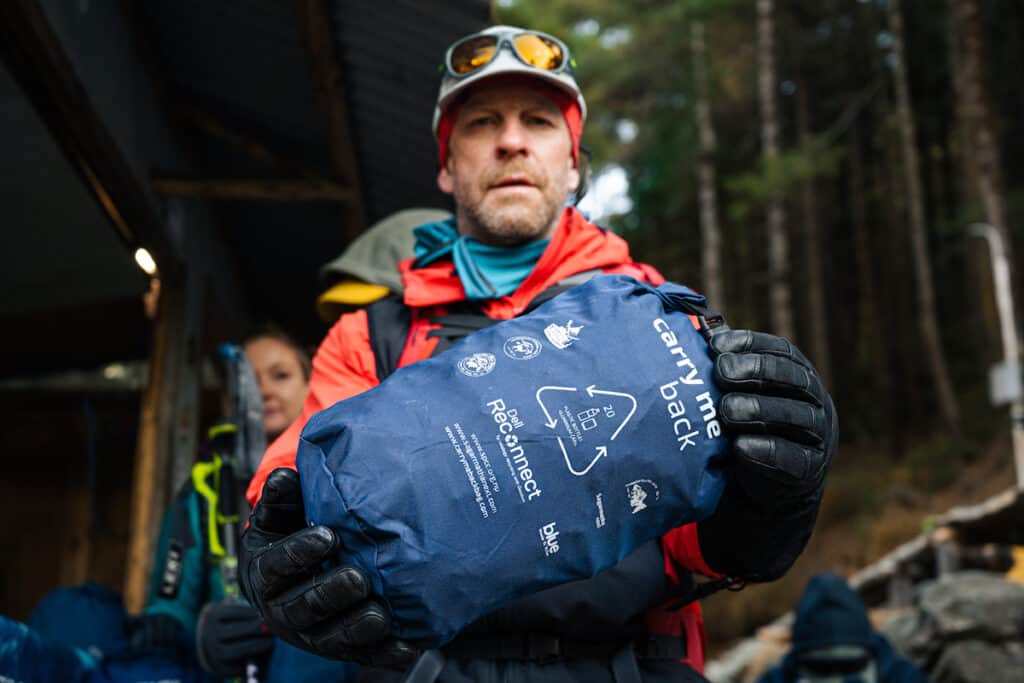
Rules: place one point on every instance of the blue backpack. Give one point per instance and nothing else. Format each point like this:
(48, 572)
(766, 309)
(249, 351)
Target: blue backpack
(91, 619)
(535, 452)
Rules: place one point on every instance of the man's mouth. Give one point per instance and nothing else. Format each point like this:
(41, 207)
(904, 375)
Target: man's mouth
(513, 181)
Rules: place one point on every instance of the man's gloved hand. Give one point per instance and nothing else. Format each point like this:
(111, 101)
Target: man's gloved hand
(784, 430)
(229, 635)
(155, 635)
(327, 611)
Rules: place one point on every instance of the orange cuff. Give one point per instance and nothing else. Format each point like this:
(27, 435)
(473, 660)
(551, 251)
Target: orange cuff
(681, 548)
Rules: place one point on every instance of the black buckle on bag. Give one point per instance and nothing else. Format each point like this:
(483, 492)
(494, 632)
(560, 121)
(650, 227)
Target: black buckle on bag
(709, 324)
(543, 648)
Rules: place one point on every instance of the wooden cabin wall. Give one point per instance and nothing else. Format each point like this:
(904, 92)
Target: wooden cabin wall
(52, 532)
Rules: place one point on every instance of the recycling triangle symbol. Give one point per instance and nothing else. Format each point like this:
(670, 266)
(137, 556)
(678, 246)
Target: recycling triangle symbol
(587, 421)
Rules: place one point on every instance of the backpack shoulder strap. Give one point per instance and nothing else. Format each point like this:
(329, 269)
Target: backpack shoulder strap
(559, 287)
(388, 321)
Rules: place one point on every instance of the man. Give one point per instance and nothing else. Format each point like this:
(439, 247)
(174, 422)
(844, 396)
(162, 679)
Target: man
(508, 121)
(833, 642)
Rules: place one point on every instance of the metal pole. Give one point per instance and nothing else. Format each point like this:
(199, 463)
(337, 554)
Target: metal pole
(1008, 332)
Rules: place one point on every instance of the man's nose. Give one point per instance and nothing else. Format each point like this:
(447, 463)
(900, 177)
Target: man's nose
(511, 138)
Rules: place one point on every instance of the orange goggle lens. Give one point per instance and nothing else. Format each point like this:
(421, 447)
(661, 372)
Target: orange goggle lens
(535, 50)
(473, 54)
(538, 51)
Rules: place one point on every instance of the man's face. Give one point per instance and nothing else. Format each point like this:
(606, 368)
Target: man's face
(510, 165)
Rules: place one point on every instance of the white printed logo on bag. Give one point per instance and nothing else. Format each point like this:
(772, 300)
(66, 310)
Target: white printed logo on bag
(522, 348)
(549, 538)
(639, 493)
(583, 424)
(562, 336)
(477, 365)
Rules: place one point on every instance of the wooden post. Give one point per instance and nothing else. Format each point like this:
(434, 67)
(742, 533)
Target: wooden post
(900, 589)
(168, 427)
(947, 551)
(149, 497)
(169, 424)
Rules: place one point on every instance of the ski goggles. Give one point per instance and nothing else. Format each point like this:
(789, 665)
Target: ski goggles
(533, 48)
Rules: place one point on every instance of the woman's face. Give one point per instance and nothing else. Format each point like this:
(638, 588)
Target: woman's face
(282, 384)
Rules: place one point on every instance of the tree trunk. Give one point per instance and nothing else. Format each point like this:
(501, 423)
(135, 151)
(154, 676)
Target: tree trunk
(870, 343)
(818, 323)
(936, 358)
(973, 103)
(778, 247)
(711, 236)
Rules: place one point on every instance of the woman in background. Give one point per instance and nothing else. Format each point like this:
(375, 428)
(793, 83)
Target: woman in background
(186, 610)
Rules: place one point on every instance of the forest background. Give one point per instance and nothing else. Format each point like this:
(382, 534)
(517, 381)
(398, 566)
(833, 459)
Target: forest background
(815, 168)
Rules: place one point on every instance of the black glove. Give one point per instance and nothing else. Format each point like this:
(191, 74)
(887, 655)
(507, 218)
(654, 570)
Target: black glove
(155, 635)
(229, 635)
(326, 611)
(784, 431)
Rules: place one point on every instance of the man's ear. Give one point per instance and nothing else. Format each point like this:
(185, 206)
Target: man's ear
(444, 178)
(573, 178)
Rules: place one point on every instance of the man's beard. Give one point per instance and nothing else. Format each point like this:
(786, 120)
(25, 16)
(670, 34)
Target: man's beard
(509, 223)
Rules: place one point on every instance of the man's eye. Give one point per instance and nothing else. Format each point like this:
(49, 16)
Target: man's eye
(481, 121)
(541, 121)
(281, 376)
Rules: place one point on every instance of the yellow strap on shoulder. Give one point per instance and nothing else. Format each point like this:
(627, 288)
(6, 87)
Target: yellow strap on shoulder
(201, 472)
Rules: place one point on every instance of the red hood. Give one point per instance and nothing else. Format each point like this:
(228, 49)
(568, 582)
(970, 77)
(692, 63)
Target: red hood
(576, 246)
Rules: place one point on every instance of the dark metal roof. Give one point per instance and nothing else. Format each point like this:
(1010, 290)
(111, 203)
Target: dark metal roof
(244, 62)
(242, 58)
(390, 52)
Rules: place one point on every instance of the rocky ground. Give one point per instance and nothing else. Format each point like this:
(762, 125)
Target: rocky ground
(873, 504)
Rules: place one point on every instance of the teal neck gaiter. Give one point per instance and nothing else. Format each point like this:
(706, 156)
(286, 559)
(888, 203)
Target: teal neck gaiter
(486, 272)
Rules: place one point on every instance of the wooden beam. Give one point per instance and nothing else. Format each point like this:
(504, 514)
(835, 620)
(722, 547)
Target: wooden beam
(280, 190)
(329, 85)
(244, 142)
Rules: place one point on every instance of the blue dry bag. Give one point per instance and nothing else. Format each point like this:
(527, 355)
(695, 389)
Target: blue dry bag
(535, 452)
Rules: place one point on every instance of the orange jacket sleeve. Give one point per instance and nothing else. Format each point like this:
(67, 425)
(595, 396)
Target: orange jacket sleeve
(343, 366)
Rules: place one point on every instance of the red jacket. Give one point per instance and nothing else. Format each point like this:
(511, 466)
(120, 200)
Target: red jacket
(344, 366)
